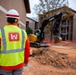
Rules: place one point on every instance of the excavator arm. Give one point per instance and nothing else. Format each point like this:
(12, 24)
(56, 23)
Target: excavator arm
(54, 28)
(38, 41)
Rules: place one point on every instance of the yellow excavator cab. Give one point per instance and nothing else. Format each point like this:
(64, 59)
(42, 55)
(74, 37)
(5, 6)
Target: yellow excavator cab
(32, 38)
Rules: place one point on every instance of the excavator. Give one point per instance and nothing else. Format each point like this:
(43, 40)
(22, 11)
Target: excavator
(36, 39)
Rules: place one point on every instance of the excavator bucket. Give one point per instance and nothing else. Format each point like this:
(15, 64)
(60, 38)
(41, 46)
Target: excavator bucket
(57, 39)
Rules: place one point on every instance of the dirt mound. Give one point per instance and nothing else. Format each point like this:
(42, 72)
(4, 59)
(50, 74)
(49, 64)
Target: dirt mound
(46, 56)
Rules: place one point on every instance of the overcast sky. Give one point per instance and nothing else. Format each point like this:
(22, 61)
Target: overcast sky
(72, 4)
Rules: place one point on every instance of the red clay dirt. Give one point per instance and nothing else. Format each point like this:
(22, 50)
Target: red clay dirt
(57, 59)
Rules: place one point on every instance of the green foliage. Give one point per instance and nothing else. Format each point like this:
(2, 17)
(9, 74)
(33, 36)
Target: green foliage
(29, 30)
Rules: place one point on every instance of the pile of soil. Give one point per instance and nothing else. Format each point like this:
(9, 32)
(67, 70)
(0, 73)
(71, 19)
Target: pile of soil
(45, 56)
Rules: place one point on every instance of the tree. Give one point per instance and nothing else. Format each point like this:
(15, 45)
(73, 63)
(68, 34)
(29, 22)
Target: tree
(48, 5)
(29, 30)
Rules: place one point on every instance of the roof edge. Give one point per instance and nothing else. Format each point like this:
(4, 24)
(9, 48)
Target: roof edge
(27, 6)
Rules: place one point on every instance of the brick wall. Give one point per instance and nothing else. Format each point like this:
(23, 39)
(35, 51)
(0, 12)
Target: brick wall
(74, 28)
(31, 24)
(13, 4)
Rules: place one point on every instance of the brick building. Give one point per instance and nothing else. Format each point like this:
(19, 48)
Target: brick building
(67, 26)
(33, 24)
(22, 6)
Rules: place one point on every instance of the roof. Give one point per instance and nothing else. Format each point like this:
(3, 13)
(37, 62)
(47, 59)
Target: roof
(27, 6)
(62, 8)
(66, 7)
(31, 19)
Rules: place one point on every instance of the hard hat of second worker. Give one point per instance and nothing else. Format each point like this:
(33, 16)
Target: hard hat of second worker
(12, 14)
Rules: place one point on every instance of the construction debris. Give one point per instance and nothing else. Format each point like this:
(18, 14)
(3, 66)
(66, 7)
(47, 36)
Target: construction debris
(45, 56)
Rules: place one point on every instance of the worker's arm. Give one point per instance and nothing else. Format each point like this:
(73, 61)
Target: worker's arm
(0, 38)
(27, 52)
(0, 42)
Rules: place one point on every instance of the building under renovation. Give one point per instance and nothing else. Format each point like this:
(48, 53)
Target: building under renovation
(22, 6)
(67, 26)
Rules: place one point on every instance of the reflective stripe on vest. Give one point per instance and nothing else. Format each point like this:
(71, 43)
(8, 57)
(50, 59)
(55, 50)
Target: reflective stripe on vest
(4, 44)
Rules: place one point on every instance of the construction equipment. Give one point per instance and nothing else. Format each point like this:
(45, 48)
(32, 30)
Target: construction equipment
(36, 40)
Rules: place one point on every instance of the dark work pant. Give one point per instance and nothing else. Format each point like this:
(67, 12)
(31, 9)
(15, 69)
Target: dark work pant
(1, 71)
(13, 72)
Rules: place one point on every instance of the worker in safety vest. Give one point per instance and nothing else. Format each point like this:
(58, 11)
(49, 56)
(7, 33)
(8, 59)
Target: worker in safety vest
(14, 46)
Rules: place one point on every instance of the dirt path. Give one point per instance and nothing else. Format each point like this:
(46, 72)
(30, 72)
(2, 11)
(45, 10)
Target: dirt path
(58, 59)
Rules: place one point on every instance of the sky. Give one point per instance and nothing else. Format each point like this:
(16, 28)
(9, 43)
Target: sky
(31, 7)
(72, 4)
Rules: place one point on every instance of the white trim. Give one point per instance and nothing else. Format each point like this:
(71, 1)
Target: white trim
(2, 9)
(5, 11)
(22, 23)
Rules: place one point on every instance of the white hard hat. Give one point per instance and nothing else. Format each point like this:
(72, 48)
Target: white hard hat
(12, 14)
